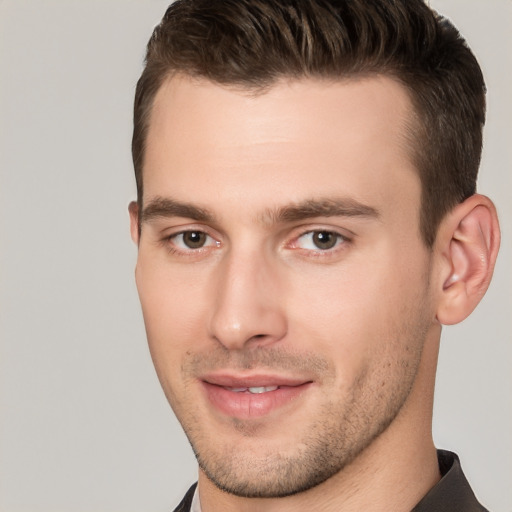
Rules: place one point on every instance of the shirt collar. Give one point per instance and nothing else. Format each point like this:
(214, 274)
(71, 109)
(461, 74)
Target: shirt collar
(452, 492)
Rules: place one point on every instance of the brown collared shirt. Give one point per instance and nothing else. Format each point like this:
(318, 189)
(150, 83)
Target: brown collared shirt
(452, 493)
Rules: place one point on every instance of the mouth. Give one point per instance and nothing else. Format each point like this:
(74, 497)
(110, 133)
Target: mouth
(252, 397)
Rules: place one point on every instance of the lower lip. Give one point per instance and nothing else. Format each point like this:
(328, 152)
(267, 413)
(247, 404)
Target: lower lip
(245, 405)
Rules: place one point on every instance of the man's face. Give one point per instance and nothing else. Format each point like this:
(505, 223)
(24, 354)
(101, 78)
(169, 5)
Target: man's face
(283, 280)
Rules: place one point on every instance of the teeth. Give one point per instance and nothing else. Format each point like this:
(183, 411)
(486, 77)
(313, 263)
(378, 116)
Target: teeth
(262, 389)
(256, 390)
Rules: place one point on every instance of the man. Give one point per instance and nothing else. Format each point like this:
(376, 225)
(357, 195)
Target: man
(306, 222)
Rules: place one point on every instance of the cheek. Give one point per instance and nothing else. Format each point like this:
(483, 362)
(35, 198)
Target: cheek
(330, 315)
(339, 301)
(172, 308)
(355, 314)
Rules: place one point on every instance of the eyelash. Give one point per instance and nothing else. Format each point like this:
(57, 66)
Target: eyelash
(173, 249)
(341, 240)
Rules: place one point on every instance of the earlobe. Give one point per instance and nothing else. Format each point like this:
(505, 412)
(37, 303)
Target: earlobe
(133, 209)
(468, 242)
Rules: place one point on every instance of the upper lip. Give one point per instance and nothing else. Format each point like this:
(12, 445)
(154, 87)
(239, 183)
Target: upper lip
(253, 380)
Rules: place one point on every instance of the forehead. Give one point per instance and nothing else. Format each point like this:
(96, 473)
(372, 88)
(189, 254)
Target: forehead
(303, 137)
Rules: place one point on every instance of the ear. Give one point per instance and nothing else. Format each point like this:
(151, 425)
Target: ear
(133, 209)
(467, 245)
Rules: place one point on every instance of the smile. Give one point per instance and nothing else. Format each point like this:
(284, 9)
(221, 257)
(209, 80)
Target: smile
(253, 397)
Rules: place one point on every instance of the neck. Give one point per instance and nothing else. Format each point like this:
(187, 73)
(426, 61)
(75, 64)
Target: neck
(393, 473)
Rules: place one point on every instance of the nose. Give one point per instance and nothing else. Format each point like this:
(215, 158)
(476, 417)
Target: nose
(246, 307)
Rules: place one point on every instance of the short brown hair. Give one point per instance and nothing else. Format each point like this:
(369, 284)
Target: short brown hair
(253, 43)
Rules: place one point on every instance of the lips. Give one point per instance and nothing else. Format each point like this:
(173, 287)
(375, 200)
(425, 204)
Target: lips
(253, 396)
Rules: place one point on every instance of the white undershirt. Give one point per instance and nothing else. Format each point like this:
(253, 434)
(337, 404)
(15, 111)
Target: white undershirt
(196, 504)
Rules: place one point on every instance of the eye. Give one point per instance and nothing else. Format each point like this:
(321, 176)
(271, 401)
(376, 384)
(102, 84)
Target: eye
(190, 240)
(319, 240)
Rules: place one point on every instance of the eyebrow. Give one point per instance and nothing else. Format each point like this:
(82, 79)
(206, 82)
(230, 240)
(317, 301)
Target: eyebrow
(327, 207)
(161, 207)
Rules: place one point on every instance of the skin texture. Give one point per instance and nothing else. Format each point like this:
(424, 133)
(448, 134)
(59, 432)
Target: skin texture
(301, 264)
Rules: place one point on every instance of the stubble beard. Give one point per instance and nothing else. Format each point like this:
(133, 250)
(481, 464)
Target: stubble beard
(329, 447)
(338, 434)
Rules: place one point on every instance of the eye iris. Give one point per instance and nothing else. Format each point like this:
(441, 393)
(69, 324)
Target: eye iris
(194, 239)
(324, 239)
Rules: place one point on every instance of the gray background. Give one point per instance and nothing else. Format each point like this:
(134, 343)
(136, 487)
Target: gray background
(84, 425)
